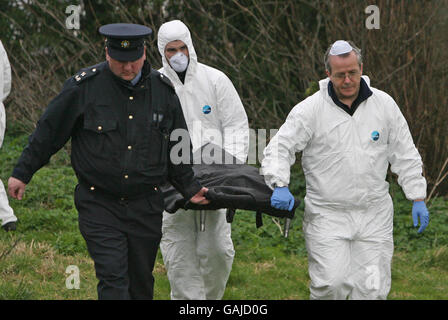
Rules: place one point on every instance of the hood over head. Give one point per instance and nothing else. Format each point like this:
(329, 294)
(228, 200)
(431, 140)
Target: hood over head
(171, 31)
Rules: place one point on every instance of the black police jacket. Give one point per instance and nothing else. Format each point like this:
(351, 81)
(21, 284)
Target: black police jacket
(120, 133)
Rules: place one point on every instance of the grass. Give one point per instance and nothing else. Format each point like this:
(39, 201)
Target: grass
(267, 266)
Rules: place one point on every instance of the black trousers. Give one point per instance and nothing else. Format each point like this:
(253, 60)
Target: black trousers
(122, 237)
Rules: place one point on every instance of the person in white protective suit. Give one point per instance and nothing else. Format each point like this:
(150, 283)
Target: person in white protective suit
(348, 133)
(199, 262)
(6, 213)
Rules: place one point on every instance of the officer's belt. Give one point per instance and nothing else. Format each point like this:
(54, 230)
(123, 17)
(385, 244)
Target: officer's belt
(116, 197)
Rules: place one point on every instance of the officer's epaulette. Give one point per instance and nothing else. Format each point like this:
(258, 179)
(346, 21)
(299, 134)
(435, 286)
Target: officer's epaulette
(165, 80)
(86, 73)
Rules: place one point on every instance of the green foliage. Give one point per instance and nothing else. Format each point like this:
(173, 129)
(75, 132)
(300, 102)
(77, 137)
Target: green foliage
(13, 291)
(47, 212)
(70, 243)
(313, 88)
(406, 237)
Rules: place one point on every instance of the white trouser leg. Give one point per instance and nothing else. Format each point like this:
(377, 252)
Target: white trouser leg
(6, 212)
(178, 247)
(328, 246)
(350, 254)
(372, 254)
(198, 263)
(215, 251)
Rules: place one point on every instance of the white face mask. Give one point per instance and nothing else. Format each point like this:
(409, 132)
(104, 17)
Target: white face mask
(179, 62)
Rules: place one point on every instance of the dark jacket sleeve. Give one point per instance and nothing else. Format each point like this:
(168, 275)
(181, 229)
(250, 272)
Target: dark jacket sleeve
(53, 130)
(181, 175)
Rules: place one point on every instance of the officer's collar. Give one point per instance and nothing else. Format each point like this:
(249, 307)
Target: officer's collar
(137, 78)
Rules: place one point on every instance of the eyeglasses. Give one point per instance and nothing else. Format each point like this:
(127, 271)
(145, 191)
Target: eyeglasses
(351, 74)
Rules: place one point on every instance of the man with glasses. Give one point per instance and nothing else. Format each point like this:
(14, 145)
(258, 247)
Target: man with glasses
(349, 133)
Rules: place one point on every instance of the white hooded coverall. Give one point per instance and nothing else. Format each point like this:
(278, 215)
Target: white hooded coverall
(199, 263)
(348, 216)
(6, 212)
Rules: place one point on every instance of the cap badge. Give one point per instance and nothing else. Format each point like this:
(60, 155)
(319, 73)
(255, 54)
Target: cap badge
(125, 44)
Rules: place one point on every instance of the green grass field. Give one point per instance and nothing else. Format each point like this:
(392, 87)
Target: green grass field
(267, 266)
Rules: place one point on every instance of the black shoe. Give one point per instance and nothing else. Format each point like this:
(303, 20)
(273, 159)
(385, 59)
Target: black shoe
(10, 226)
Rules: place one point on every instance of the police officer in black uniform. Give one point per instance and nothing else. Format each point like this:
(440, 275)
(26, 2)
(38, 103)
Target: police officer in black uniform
(119, 115)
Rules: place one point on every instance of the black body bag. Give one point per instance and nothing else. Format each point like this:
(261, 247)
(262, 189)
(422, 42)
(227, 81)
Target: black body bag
(232, 186)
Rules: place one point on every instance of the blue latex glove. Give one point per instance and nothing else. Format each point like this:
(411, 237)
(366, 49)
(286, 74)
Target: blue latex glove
(282, 199)
(420, 212)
